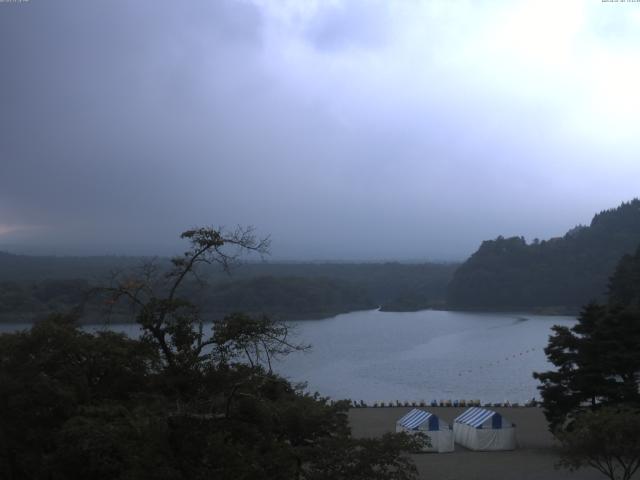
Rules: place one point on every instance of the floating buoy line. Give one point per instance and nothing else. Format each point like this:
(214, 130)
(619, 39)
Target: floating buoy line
(500, 361)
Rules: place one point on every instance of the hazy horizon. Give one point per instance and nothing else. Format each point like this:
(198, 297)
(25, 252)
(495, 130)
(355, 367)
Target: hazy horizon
(346, 130)
(168, 251)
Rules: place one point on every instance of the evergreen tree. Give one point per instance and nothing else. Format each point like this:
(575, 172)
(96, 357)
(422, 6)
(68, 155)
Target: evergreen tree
(624, 286)
(591, 399)
(598, 360)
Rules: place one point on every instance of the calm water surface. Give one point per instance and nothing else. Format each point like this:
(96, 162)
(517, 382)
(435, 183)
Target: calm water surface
(423, 355)
(426, 355)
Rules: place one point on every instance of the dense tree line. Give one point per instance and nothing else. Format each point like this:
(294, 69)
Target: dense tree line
(592, 399)
(598, 359)
(279, 296)
(559, 274)
(178, 403)
(285, 290)
(42, 297)
(287, 297)
(33, 268)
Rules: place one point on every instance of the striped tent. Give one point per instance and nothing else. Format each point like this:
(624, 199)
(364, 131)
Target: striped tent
(439, 432)
(481, 429)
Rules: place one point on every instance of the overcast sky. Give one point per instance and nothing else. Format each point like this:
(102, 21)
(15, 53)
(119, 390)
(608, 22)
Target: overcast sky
(344, 129)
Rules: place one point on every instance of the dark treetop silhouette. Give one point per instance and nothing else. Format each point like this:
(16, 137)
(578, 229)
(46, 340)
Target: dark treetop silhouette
(178, 403)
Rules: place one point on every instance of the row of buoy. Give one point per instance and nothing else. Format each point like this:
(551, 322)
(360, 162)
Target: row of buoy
(441, 403)
(497, 362)
(422, 403)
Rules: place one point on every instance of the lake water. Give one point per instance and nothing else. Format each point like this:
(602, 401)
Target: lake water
(426, 355)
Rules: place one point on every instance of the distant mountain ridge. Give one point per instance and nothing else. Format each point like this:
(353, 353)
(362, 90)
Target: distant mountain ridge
(556, 275)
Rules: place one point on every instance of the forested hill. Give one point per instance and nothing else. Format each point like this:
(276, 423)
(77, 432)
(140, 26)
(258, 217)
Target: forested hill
(624, 286)
(34, 286)
(556, 275)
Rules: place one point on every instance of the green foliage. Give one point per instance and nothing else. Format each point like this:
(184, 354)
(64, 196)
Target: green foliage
(624, 286)
(366, 459)
(287, 296)
(47, 374)
(42, 296)
(112, 441)
(596, 363)
(285, 290)
(607, 439)
(592, 399)
(179, 403)
(77, 405)
(558, 275)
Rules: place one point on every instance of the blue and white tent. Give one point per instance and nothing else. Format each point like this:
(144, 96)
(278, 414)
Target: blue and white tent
(439, 432)
(481, 429)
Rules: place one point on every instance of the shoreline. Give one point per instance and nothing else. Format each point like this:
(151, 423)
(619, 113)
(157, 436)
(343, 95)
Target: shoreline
(535, 458)
(94, 318)
(542, 311)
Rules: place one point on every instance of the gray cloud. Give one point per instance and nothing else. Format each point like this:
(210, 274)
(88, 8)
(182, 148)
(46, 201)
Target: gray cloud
(349, 130)
(354, 24)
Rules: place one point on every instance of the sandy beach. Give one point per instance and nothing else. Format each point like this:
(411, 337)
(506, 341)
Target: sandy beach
(534, 459)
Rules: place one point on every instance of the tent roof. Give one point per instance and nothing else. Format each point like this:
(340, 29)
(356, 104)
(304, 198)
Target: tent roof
(475, 416)
(415, 418)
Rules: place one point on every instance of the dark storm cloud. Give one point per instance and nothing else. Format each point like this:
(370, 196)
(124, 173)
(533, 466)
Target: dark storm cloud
(107, 109)
(344, 129)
